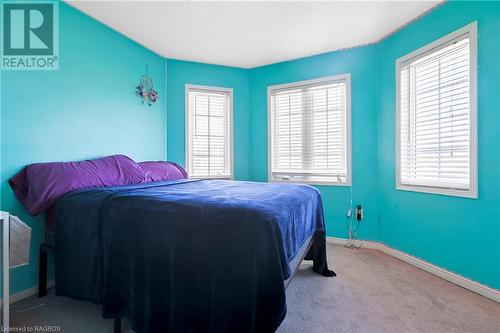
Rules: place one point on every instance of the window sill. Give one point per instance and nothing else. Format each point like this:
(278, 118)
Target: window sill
(470, 194)
(312, 182)
(212, 177)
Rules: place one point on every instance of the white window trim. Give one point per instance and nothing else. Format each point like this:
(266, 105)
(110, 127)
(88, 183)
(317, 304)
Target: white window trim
(471, 29)
(229, 92)
(270, 89)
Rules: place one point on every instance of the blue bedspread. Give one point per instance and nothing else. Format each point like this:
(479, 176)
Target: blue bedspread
(187, 255)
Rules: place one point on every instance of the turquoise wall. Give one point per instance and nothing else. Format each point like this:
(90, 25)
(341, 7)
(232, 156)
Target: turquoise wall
(360, 62)
(461, 235)
(250, 121)
(86, 109)
(180, 73)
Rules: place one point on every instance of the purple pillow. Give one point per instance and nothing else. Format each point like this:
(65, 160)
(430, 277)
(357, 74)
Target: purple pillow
(158, 171)
(38, 186)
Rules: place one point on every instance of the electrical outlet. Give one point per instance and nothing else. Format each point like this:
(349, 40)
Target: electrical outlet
(359, 212)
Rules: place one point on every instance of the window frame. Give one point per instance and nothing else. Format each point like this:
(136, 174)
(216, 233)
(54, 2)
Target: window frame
(470, 29)
(318, 81)
(209, 89)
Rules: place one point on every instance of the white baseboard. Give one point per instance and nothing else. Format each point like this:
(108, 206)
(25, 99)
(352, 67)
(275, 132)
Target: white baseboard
(459, 280)
(28, 293)
(363, 243)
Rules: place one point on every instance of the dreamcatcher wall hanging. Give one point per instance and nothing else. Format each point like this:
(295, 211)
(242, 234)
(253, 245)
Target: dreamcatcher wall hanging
(146, 91)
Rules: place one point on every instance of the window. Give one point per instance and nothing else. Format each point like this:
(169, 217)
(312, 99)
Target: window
(209, 132)
(309, 131)
(436, 121)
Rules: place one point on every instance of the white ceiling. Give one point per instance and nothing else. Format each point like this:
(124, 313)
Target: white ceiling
(251, 34)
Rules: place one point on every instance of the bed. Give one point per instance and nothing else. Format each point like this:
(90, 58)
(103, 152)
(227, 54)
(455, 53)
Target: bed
(188, 255)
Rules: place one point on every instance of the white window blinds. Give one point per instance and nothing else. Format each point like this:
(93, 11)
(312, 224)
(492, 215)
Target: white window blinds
(309, 131)
(209, 138)
(435, 118)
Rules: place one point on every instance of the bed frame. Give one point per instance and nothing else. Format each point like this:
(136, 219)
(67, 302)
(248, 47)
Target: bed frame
(48, 247)
(295, 263)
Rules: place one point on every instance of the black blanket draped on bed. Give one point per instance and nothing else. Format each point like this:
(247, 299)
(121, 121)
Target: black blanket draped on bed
(187, 255)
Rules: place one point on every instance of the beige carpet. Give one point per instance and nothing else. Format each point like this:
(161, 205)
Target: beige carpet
(373, 292)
